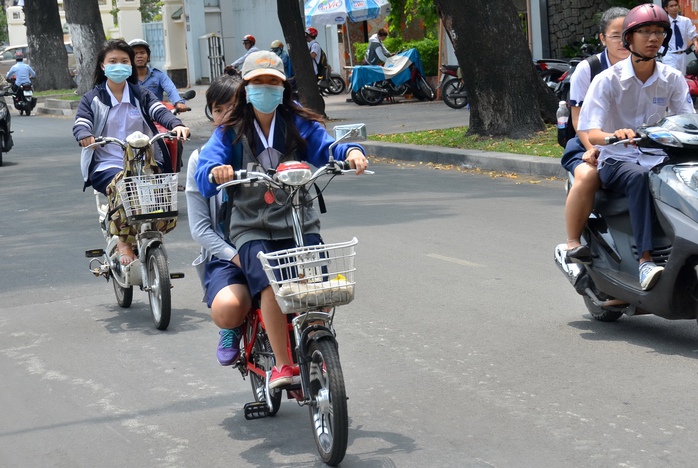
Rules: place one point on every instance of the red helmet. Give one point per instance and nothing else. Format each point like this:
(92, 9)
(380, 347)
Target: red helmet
(312, 32)
(249, 38)
(646, 15)
(19, 56)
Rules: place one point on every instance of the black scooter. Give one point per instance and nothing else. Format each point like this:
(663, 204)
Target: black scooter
(23, 97)
(609, 284)
(6, 142)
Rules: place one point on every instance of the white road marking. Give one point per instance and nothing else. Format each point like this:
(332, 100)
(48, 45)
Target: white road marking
(457, 261)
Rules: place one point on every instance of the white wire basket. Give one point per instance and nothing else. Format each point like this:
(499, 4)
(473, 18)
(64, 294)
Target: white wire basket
(151, 196)
(311, 277)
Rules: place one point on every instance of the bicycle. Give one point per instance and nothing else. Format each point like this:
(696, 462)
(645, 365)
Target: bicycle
(309, 282)
(150, 205)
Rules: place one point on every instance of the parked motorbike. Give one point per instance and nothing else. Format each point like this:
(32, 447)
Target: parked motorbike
(550, 70)
(609, 283)
(6, 142)
(452, 87)
(23, 97)
(561, 87)
(335, 85)
(148, 199)
(402, 73)
(692, 79)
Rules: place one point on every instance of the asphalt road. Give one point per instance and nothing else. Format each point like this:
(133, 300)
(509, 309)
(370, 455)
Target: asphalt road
(464, 347)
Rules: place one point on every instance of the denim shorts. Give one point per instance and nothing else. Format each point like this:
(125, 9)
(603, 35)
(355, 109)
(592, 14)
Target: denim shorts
(572, 157)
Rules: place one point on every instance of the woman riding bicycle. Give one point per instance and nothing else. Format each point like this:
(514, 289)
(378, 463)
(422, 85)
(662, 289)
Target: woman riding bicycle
(117, 107)
(266, 127)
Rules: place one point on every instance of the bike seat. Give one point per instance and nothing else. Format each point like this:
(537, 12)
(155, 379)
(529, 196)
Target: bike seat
(608, 203)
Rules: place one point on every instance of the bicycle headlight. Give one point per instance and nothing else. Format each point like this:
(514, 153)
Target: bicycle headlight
(688, 174)
(293, 173)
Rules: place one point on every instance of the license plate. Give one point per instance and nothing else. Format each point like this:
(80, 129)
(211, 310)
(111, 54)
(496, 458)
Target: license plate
(29, 93)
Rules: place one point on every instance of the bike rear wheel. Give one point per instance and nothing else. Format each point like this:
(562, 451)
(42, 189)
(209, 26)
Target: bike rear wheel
(358, 100)
(124, 296)
(263, 357)
(371, 97)
(159, 288)
(328, 406)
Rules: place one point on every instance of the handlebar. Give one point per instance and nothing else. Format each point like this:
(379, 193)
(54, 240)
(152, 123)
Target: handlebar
(613, 140)
(245, 177)
(104, 140)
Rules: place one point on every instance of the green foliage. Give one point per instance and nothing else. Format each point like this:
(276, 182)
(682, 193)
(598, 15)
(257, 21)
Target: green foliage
(151, 10)
(4, 37)
(413, 10)
(428, 51)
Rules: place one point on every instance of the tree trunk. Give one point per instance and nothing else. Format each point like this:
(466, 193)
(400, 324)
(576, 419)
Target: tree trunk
(507, 97)
(293, 26)
(85, 25)
(49, 58)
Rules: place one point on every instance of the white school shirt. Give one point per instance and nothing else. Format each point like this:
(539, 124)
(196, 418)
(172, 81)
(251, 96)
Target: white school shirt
(618, 99)
(313, 46)
(124, 118)
(688, 32)
(581, 78)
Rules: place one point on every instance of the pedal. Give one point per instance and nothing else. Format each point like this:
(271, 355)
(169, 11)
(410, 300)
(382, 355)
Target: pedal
(94, 253)
(176, 275)
(256, 410)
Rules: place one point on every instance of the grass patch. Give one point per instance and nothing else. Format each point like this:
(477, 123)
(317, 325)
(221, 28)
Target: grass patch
(65, 94)
(542, 144)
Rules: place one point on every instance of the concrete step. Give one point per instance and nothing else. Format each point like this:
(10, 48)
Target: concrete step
(39, 109)
(60, 104)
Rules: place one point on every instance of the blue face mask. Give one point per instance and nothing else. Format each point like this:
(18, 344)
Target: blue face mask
(118, 72)
(265, 98)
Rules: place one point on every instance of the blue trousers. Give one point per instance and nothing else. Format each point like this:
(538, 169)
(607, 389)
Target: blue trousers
(630, 179)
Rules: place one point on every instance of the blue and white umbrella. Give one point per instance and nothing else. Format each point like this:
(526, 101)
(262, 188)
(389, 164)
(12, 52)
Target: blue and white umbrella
(329, 12)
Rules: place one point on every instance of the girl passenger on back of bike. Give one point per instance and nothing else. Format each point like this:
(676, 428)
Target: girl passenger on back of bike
(225, 287)
(269, 128)
(117, 107)
(580, 156)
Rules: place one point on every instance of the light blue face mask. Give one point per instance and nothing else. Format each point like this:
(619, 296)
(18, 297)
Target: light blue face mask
(265, 98)
(118, 72)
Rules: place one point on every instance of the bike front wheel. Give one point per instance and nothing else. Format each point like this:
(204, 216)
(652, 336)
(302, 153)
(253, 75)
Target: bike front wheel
(328, 406)
(423, 90)
(454, 95)
(371, 97)
(159, 288)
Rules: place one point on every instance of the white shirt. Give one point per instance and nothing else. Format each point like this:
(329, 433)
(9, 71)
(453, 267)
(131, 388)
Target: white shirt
(124, 118)
(314, 47)
(618, 99)
(581, 78)
(688, 32)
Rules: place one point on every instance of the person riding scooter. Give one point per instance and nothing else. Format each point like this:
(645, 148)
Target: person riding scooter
(20, 74)
(155, 80)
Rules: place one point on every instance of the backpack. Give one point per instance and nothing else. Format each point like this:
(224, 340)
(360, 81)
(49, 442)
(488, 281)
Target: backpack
(595, 68)
(323, 66)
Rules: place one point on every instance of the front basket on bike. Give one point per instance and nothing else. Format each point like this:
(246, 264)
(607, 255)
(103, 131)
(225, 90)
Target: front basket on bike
(311, 277)
(151, 196)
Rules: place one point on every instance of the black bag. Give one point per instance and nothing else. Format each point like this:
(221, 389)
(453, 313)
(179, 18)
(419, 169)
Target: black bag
(595, 67)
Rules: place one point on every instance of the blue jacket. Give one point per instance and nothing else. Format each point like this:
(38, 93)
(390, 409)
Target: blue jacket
(251, 217)
(157, 81)
(23, 73)
(93, 112)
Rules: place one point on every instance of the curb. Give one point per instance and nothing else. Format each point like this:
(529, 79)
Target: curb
(484, 160)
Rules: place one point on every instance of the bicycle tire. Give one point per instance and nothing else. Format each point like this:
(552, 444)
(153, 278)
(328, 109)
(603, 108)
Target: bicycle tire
(263, 357)
(159, 284)
(328, 407)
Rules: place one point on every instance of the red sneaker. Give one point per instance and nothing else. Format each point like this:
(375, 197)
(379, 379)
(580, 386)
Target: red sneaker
(281, 377)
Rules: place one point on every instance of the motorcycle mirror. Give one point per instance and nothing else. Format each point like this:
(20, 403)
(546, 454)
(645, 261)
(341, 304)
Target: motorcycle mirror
(191, 94)
(354, 132)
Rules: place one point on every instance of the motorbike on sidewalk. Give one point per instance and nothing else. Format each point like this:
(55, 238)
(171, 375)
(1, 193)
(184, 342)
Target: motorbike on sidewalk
(309, 283)
(452, 87)
(609, 282)
(401, 74)
(23, 97)
(149, 203)
(335, 85)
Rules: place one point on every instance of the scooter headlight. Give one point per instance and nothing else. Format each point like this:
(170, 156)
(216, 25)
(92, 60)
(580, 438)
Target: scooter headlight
(688, 175)
(293, 173)
(665, 138)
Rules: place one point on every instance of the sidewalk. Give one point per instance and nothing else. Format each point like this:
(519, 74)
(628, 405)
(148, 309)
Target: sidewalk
(403, 116)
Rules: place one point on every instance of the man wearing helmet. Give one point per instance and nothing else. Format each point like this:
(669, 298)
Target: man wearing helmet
(249, 43)
(313, 46)
(635, 91)
(155, 80)
(22, 73)
(278, 48)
